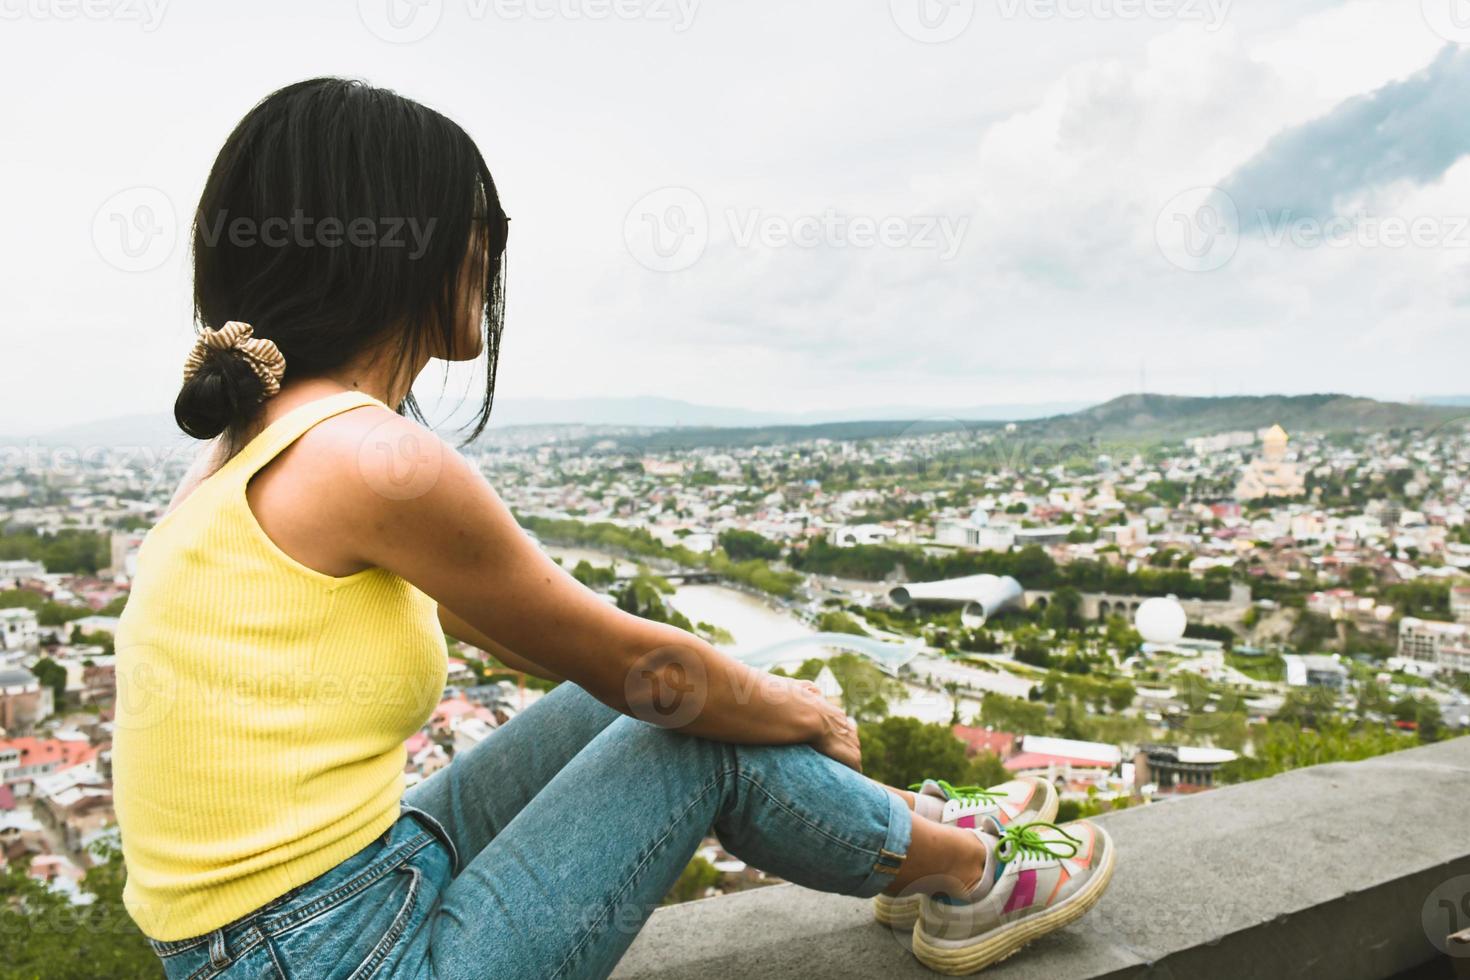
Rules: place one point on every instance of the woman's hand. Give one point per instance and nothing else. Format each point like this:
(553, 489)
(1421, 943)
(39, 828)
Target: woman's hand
(838, 739)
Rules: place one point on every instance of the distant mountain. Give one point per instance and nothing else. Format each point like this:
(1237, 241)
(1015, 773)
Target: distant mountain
(122, 430)
(766, 435)
(670, 413)
(646, 412)
(1134, 419)
(1161, 417)
(672, 424)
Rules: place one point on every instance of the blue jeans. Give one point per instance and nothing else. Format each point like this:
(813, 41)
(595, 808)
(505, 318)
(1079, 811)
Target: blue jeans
(542, 851)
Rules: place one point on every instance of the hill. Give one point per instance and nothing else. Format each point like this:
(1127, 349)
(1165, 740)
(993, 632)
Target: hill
(1132, 419)
(1157, 418)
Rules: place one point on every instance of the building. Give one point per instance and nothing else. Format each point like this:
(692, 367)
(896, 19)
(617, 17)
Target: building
(1072, 766)
(124, 555)
(1179, 768)
(19, 629)
(976, 533)
(75, 803)
(1460, 603)
(99, 681)
(1271, 474)
(977, 740)
(1043, 537)
(1315, 670)
(1346, 605)
(24, 700)
(13, 572)
(1442, 645)
(828, 686)
(847, 536)
(26, 759)
(95, 624)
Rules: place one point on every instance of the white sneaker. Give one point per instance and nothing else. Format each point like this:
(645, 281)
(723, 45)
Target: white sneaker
(1023, 800)
(1039, 878)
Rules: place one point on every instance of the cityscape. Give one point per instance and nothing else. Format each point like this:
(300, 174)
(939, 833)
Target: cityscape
(1133, 620)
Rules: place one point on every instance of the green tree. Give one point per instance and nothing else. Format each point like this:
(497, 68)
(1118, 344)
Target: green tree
(53, 675)
(21, 598)
(697, 877)
(1064, 612)
(1120, 635)
(45, 935)
(1013, 715)
(986, 769)
(866, 690)
(836, 621)
(594, 576)
(903, 751)
(744, 545)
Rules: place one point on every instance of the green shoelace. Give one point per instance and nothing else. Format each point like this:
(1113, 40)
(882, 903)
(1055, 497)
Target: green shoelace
(1024, 841)
(968, 795)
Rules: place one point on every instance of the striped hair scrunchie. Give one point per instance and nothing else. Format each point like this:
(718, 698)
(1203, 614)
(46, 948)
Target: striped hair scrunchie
(263, 356)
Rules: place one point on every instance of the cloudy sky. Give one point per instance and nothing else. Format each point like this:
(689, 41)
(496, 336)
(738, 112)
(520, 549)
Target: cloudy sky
(801, 205)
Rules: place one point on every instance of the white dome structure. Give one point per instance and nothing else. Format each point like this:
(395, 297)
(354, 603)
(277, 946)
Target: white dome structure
(1160, 620)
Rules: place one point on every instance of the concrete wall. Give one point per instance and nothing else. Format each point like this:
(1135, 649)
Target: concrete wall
(1347, 871)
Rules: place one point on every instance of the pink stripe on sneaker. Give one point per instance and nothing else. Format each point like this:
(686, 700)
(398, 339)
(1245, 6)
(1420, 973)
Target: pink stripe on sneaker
(968, 821)
(1024, 893)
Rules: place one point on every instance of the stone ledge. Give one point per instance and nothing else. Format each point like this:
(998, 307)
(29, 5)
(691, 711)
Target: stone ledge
(1322, 873)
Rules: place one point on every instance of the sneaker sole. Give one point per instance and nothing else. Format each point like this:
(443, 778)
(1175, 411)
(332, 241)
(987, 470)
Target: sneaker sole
(902, 911)
(959, 957)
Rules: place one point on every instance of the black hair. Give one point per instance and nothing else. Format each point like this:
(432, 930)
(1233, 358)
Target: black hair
(339, 216)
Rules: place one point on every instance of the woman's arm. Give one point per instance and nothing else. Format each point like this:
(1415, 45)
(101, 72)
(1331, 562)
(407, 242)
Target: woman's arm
(461, 630)
(426, 515)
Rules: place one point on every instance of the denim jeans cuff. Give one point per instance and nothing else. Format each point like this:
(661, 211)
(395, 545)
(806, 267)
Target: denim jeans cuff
(894, 849)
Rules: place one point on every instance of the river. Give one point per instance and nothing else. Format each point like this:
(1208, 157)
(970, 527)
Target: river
(755, 625)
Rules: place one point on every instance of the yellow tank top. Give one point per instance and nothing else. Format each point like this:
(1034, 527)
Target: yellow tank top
(262, 705)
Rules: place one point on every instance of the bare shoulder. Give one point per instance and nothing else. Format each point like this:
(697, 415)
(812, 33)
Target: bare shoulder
(369, 456)
(329, 494)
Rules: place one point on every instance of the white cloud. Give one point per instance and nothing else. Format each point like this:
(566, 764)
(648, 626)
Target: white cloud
(1058, 141)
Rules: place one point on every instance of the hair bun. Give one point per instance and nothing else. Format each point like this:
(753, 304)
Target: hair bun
(224, 391)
